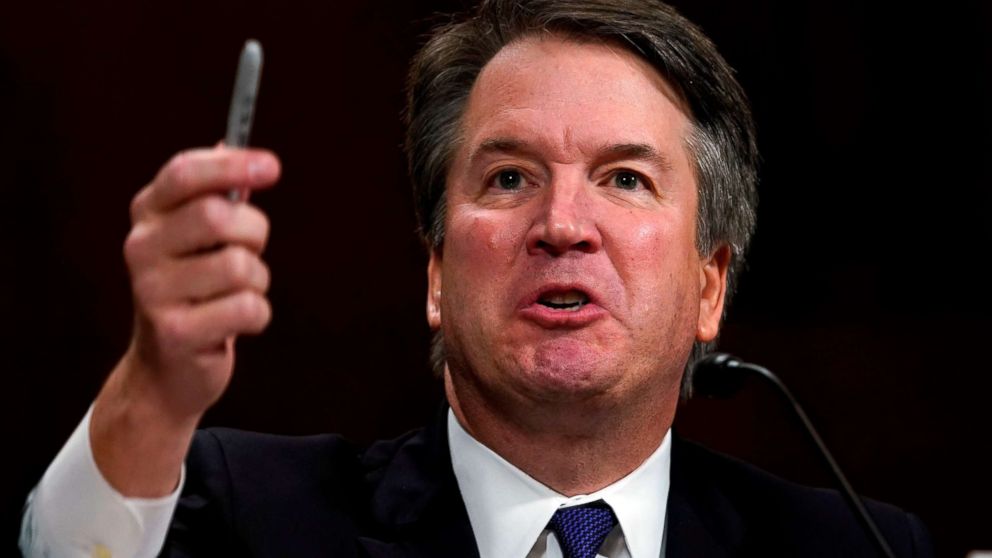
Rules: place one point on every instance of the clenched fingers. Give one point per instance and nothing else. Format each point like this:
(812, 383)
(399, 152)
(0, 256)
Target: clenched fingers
(205, 325)
(195, 279)
(196, 172)
(201, 224)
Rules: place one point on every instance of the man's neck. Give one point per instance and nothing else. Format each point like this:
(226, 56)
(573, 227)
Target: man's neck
(571, 448)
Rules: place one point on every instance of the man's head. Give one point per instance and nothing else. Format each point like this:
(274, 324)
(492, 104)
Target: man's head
(717, 138)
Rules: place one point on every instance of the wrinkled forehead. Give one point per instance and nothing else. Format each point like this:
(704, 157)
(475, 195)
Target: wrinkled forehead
(519, 52)
(572, 96)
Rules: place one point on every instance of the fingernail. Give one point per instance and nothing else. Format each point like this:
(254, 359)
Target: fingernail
(261, 168)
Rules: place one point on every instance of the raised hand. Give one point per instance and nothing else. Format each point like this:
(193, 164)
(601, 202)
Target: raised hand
(198, 281)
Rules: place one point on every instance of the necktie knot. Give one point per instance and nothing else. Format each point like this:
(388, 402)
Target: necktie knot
(581, 530)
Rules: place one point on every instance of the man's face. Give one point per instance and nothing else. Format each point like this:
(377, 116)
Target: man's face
(569, 269)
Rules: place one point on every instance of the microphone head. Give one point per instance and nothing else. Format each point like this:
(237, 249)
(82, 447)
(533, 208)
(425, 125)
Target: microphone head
(717, 375)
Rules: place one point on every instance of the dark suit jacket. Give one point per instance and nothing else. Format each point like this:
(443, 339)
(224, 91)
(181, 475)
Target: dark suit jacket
(250, 494)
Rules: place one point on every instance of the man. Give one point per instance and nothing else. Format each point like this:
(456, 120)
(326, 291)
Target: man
(584, 174)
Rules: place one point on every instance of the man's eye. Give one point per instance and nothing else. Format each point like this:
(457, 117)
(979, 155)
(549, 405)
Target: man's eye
(626, 180)
(509, 179)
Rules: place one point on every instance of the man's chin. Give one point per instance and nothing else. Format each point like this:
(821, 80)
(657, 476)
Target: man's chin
(568, 371)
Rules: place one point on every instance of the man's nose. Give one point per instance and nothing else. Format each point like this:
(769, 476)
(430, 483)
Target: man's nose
(565, 222)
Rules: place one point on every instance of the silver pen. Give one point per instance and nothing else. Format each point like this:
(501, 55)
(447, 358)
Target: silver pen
(242, 111)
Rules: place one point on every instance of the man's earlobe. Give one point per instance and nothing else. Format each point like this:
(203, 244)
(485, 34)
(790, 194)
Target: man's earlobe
(712, 292)
(434, 291)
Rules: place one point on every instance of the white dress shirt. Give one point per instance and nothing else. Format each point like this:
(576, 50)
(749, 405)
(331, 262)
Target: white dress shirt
(75, 512)
(509, 510)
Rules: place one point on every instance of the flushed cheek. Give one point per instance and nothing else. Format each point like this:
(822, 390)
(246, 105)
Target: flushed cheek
(649, 236)
(486, 238)
(654, 260)
(642, 247)
(478, 259)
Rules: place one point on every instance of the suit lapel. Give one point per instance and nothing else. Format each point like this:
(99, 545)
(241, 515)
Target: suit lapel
(701, 522)
(416, 506)
(417, 509)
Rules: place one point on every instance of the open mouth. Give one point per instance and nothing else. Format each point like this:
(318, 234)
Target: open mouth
(568, 301)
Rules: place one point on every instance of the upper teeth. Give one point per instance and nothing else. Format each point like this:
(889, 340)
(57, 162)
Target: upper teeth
(571, 297)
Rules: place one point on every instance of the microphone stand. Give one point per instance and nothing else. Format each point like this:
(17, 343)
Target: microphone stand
(723, 361)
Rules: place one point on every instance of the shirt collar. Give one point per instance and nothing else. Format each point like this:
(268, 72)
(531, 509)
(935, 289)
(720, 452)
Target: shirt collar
(508, 509)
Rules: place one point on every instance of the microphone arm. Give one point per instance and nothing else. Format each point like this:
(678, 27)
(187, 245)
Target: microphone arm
(719, 375)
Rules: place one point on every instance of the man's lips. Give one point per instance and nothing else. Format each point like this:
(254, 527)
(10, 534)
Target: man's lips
(568, 306)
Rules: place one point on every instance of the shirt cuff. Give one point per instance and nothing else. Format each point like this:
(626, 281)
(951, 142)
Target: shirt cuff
(74, 511)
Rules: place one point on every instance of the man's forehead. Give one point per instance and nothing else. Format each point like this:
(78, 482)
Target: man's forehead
(510, 145)
(595, 53)
(560, 96)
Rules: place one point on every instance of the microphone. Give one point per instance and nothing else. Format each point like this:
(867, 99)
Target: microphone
(720, 375)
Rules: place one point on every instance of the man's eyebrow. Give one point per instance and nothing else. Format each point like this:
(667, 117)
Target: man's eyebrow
(606, 154)
(498, 145)
(636, 152)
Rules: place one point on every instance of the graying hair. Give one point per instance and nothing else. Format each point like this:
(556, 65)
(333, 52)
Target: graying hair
(721, 141)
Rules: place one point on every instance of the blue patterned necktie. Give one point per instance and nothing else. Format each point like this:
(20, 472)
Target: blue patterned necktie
(581, 530)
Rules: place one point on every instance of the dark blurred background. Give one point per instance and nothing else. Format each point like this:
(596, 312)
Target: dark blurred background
(865, 288)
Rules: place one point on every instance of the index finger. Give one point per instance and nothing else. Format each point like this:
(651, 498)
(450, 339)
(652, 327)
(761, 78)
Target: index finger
(200, 171)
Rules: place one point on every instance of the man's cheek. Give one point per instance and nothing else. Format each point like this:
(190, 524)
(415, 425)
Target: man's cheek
(488, 239)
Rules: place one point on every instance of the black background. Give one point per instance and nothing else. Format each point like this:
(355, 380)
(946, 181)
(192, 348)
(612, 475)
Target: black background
(866, 288)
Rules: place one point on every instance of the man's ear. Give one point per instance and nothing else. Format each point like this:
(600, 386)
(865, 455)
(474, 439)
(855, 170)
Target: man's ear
(434, 290)
(712, 292)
